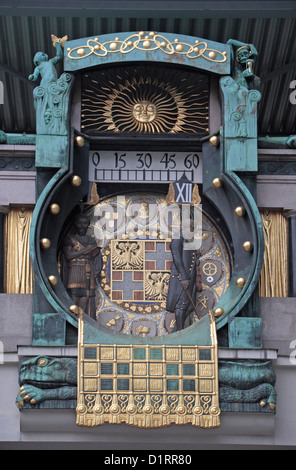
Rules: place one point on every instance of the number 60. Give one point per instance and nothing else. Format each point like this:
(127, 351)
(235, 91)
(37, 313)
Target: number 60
(191, 160)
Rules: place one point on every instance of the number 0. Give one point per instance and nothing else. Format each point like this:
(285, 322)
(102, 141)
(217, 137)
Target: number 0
(96, 158)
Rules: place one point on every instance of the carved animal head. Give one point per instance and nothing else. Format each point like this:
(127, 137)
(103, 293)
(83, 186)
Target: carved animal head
(46, 372)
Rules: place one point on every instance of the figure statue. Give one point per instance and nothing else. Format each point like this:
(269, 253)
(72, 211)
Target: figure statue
(46, 67)
(52, 96)
(83, 264)
(17, 139)
(273, 142)
(185, 280)
(244, 55)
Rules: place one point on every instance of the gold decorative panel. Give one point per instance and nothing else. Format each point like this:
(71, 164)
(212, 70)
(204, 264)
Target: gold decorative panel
(148, 386)
(147, 42)
(18, 274)
(274, 275)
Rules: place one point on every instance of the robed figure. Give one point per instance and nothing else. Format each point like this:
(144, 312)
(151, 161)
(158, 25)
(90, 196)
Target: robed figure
(185, 280)
(83, 264)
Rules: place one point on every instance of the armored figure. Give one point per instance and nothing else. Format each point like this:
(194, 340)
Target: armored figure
(185, 281)
(84, 263)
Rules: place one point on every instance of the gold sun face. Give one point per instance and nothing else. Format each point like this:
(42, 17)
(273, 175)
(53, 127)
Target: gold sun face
(144, 100)
(144, 111)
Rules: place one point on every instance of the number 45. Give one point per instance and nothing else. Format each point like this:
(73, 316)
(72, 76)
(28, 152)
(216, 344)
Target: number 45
(167, 160)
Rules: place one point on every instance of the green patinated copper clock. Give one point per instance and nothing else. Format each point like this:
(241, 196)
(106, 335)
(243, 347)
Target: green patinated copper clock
(146, 152)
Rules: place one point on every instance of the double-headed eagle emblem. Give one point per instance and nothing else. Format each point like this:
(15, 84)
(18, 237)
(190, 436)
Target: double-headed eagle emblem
(127, 255)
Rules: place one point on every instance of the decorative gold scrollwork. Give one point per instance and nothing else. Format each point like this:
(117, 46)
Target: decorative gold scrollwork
(147, 42)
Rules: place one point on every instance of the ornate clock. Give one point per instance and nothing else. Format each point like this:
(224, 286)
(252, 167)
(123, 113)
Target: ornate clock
(147, 151)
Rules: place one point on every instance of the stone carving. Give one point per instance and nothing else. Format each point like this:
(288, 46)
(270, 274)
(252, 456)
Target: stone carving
(17, 139)
(45, 381)
(83, 264)
(240, 110)
(51, 98)
(51, 103)
(291, 142)
(247, 382)
(277, 168)
(242, 106)
(243, 55)
(17, 163)
(277, 142)
(46, 378)
(184, 281)
(45, 68)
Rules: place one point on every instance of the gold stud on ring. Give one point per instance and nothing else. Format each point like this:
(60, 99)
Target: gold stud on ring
(76, 180)
(45, 243)
(248, 246)
(214, 141)
(74, 309)
(54, 208)
(80, 141)
(217, 183)
(53, 280)
(240, 282)
(240, 211)
(218, 312)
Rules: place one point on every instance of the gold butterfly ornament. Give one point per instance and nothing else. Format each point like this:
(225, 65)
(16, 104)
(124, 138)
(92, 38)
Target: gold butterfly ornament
(60, 40)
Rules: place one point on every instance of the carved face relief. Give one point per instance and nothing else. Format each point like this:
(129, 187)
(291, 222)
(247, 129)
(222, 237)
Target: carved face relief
(81, 225)
(47, 116)
(40, 57)
(145, 111)
(243, 55)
